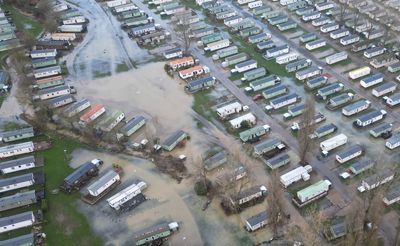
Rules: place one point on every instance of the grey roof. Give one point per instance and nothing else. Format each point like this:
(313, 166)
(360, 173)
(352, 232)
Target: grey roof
(394, 139)
(267, 144)
(248, 192)
(40, 60)
(47, 69)
(173, 138)
(200, 81)
(278, 159)
(143, 27)
(325, 128)
(373, 77)
(350, 151)
(385, 86)
(287, 23)
(374, 49)
(172, 51)
(26, 130)
(393, 193)
(102, 180)
(339, 229)
(283, 98)
(76, 105)
(132, 123)
(355, 105)
(79, 172)
(383, 127)
(297, 107)
(42, 51)
(265, 43)
(297, 63)
(350, 37)
(340, 98)
(5, 221)
(257, 36)
(263, 80)
(54, 89)
(17, 162)
(278, 48)
(307, 70)
(18, 198)
(308, 35)
(385, 173)
(361, 165)
(395, 97)
(369, 116)
(246, 63)
(61, 98)
(51, 42)
(329, 25)
(215, 159)
(258, 218)
(23, 240)
(275, 89)
(16, 179)
(329, 88)
(315, 42)
(340, 31)
(203, 30)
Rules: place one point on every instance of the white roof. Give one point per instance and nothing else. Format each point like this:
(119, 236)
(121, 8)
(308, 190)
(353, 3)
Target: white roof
(239, 119)
(294, 173)
(229, 107)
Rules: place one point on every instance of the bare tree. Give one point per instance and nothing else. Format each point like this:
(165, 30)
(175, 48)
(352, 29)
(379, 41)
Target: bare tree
(276, 203)
(342, 13)
(28, 39)
(312, 236)
(308, 125)
(182, 29)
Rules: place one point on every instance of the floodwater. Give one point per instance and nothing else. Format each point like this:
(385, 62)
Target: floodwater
(168, 201)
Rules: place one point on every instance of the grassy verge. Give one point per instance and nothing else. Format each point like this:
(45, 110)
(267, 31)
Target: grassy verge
(2, 98)
(201, 103)
(122, 67)
(24, 22)
(64, 224)
(98, 74)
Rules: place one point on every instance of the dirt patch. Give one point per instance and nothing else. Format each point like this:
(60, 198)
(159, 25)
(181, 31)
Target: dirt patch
(64, 221)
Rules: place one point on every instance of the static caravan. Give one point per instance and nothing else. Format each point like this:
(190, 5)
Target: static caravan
(277, 161)
(16, 182)
(385, 88)
(44, 62)
(64, 36)
(77, 107)
(245, 66)
(286, 58)
(278, 20)
(235, 59)
(263, 83)
(17, 221)
(186, 61)
(254, 133)
(174, 139)
(329, 90)
(357, 47)
(286, 2)
(77, 28)
(315, 44)
(278, 50)
(394, 68)
(237, 122)
(268, 145)
(103, 183)
(382, 177)
(383, 129)
(297, 5)
(111, 121)
(290, 24)
(261, 10)
(323, 6)
(141, 30)
(115, 3)
(308, 73)
(123, 8)
(133, 125)
(225, 52)
(173, 53)
(349, 153)
(340, 33)
(394, 141)
(225, 14)
(316, 82)
(229, 109)
(361, 166)
(54, 92)
(282, 101)
(254, 74)
(217, 45)
(46, 72)
(392, 196)
(308, 37)
(323, 131)
(340, 100)
(246, 32)
(48, 82)
(360, 72)
(372, 80)
(255, 4)
(392, 100)
(303, 11)
(330, 27)
(374, 34)
(332, 143)
(261, 46)
(297, 65)
(350, 39)
(311, 16)
(16, 165)
(384, 61)
(295, 175)
(294, 110)
(61, 101)
(337, 57)
(20, 199)
(215, 161)
(369, 118)
(203, 32)
(210, 38)
(17, 134)
(200, 84)
(374, 51)
(95, 112)
(125, 195)
(241, 2)
(270, 14)
(74, 20)
(312, 192)
(257, 221)
(232, 20)
(49, 53)
(275, 91)
(356, 107)
(259, 37)
(193, 72)
(321, 21)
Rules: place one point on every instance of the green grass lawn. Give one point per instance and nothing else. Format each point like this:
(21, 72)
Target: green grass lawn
(202, 103)
(64, 225)
(2, 98)
(122, 67)
(24, 22)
